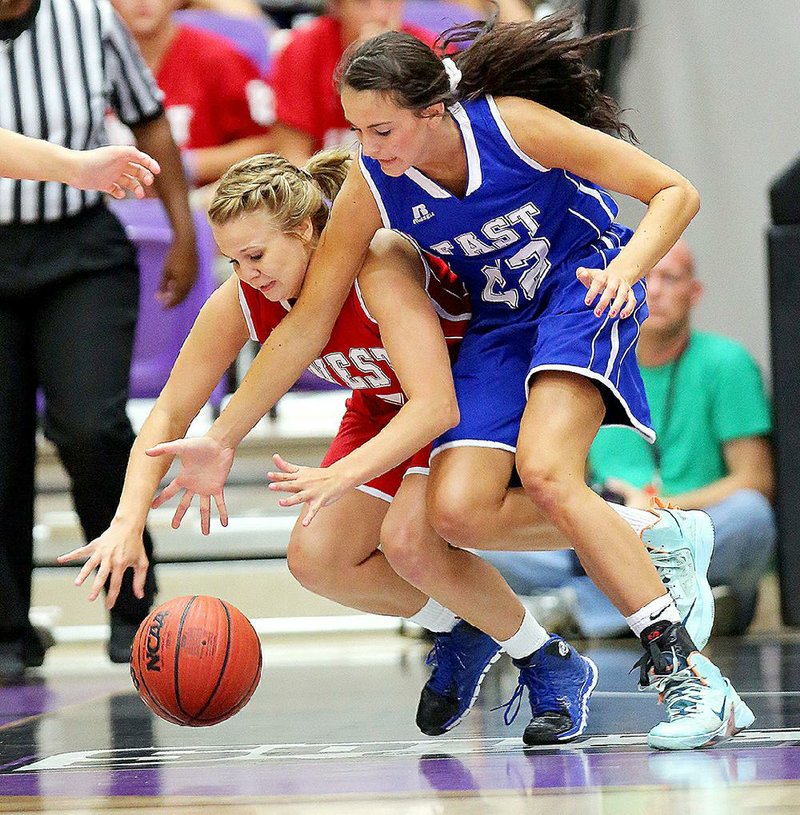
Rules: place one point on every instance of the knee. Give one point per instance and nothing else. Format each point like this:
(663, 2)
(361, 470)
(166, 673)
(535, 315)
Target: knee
(310, 562)
(546, 486)
(746, 515)
(404, 545)
(457, 517)
(758, 509)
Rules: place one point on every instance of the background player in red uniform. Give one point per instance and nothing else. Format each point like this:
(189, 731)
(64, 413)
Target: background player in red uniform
(218, 106)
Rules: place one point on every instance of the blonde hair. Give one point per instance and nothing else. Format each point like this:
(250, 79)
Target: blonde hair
(290, 194)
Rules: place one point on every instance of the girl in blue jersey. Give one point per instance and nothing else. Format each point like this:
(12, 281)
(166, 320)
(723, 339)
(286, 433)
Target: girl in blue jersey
(497, 161)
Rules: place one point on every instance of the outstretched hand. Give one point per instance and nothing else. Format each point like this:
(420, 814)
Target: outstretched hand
(112, 554)
(316, 487)
(615, 292)
(114, 170)
(205, 465)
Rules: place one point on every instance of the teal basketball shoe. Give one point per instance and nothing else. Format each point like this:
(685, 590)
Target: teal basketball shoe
(680, 544)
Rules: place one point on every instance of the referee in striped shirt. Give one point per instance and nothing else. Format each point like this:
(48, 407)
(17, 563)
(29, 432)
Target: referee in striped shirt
(69, 290)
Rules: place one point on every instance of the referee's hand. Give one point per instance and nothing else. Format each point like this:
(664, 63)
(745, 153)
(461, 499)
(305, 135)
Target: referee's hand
(115, 170)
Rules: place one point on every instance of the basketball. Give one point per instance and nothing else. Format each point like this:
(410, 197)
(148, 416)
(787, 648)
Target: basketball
(196, 661)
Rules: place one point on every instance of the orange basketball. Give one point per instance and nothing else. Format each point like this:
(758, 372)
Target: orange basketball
(196, 660)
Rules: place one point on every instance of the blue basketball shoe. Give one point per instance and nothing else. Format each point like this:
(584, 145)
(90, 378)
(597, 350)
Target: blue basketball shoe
(702, 706)
(460, 659)
(680, 544)
(559, 682)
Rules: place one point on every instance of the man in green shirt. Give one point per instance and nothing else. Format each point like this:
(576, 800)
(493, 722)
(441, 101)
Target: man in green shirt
(712, 452)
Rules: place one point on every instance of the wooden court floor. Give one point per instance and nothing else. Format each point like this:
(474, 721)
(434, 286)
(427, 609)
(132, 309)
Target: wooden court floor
(331, 730)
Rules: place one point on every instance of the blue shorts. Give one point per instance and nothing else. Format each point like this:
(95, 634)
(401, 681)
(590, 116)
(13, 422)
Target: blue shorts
(557, 331)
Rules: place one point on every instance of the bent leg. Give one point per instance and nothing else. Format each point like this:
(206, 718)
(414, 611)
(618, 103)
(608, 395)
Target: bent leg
(459, 580)
(336, 556)
(472, 506)
(562, 418)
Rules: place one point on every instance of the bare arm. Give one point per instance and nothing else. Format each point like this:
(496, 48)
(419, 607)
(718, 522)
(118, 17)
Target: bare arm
(211, 162)
(750, 467)
(412, 336)
(180, 268)
(216, 338)
(107, 169)
(672, 202)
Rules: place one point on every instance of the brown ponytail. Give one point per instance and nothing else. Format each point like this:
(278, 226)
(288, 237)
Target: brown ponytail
(533, 60)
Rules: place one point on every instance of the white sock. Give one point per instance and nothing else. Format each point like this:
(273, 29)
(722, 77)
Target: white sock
(662, 608)
(637, 519)
(435, 617)
(530, 637)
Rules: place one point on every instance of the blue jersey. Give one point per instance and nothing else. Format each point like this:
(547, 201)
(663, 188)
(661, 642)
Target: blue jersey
(517, 221)
(515, 239)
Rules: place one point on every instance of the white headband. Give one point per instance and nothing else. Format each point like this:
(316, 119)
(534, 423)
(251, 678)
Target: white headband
(453, 74)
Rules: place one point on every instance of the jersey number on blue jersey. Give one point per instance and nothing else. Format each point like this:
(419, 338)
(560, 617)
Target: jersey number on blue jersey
(532, 258)
(528, 264)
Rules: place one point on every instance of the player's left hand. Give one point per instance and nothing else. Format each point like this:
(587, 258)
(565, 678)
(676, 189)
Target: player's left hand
(114, 170)
(614, 290)
(316, 487)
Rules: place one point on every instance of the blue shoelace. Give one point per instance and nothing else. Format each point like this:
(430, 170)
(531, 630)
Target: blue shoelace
(543, 697)
(442, 658)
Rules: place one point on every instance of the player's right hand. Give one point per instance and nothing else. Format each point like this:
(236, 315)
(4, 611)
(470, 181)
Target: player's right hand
(204, 469)
(112, 554)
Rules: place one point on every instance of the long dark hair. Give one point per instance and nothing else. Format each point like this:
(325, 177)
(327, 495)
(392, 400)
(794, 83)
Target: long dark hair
(538, 61)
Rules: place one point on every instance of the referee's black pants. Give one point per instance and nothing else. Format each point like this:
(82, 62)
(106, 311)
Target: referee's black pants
(68, 331)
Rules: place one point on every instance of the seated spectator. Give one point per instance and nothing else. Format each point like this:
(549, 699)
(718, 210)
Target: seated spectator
(219, 108)
(309, 113)
(712, 452)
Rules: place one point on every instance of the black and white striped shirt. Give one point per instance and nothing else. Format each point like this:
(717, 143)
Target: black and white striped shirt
(57, 78)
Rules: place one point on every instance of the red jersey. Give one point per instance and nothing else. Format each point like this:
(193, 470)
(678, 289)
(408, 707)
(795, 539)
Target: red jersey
(354, 355)
(213, 93)
(306, 98)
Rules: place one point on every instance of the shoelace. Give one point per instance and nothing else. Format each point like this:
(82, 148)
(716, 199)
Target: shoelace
(659, 503)
(659, 661)
(541, 693)
(441, 658)
(681, 694)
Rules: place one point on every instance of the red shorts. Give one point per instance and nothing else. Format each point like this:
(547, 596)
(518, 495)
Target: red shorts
(364, 418)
